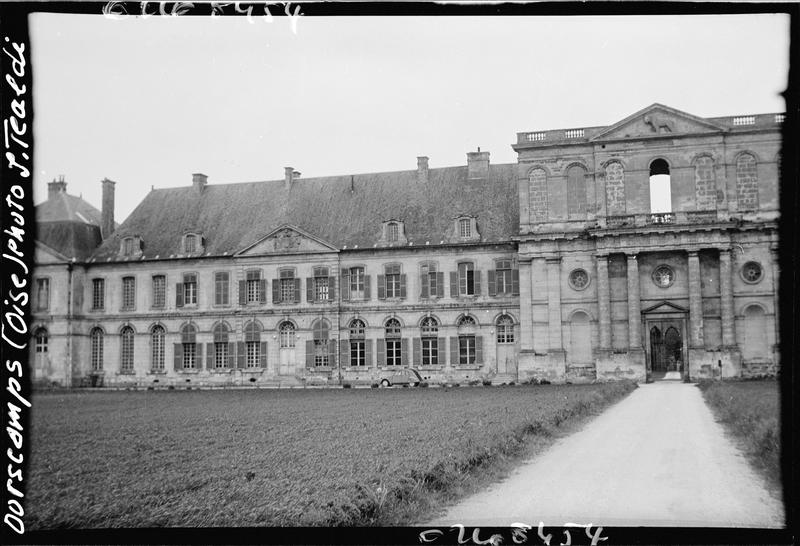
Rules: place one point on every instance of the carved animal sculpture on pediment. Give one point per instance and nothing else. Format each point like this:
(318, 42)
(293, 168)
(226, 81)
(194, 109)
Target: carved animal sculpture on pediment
(658, 125)
(286, 239)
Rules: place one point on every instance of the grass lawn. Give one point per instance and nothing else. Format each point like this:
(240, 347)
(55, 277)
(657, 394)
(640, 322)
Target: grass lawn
(750, 411)
(279, 457)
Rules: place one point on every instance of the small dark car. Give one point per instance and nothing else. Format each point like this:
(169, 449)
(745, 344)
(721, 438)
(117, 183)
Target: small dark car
(403, 376)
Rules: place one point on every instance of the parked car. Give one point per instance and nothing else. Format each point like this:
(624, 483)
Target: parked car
(403, 376)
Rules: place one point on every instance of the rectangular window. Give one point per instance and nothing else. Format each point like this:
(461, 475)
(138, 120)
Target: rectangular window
(321, 289)
(465, 228)
(393, 355)
(98, 294)
(503, 277)
(42, 294)
(253, 286)
(221, 288)
(430, 351)
(159, 291)
(190, 244)
(252, 354)
(466, 349)
(466, 279)
(356, 283)
(392, 232)
(220, 354)
(287, 285)
(429, 287)
(358, 353)
(320, 352)
(128, 293)
(190, 289)
(393, 281)
(189, 356)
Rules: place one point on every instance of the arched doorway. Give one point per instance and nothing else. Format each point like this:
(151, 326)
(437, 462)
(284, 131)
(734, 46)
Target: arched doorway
(666, 350)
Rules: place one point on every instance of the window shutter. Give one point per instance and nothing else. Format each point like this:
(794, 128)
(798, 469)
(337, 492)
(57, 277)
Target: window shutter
(381, 352)
(423, 283)
(403, 285)
(492, 289)
(440, 284)
(263, 354)
(381, 287)
(309, 353)
(345, 284)
(477, 283)
(404, 351)
(368, 353)
(179, 295)
(231, 354)
(344, 352)
(479, 349)
(240, 354)
(453, 284)
(515, 282)
(198, 355)
(454, 351)
(297, 290)
(242, 292)
(331, 353)
(332, 288)
(309, 289)
(262, 291)
(276, 291)
(209, 356)
(417, 343)
(178, 356)
(367, 294)
(441, 346)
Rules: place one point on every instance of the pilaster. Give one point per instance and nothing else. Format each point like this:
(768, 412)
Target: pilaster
(695, 302)
(634, 304)
(603, 303)
(726, 298)
(554, 304)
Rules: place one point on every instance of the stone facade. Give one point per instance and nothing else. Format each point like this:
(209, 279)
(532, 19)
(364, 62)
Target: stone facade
(554, 268)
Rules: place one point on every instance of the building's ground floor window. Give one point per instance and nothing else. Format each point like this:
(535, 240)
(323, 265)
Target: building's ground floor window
(466, 349)
(220, 354)
(157, 348)
(358, 353)
(97, 349)
(393, 352)
(320, 352)
(253, 354)
(127, 349)
(430, 351)
(189, 356)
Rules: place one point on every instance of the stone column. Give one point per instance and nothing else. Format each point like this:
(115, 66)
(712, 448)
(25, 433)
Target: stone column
(525, 307)
(726, 298)
(603, 303)
(695, 302)
(776, 275)
(634, 304)
(554, 304)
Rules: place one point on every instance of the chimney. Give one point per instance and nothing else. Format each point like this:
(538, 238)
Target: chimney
(422, 169)
(477, 164)
(290, 175)
(107, 211)
(55, 187)
(199, 181)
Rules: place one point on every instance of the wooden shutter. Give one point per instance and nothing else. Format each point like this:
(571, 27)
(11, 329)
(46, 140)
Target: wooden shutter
(381, 352)
(276, 291)
(345, 284)
(441, 346)
(240, 354)
(344, 352)
(440, 284)
(403, 286)
(367, 294)
(424, 285)
(242, 292)
(404, 351)
(479, 349)
(477, 279)
(210, 356)
(297, 290)
(231, 354)
(177, 353)
(368, 353)
(454, 351)
(492, 286)
(515, 282)
(331, 353)
(179, 295)
(332, 288)
(381, 287)
(262, 290)
(309, 353)
(309, 289)
(198, 355)
(263, 354)
(417, 343)
(453, 284)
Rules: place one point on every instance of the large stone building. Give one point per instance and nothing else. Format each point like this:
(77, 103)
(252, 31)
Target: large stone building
(566, 266)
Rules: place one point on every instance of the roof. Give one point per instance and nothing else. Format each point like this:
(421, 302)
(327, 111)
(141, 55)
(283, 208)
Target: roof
(343, 210)
(69, 225)
(63, 207)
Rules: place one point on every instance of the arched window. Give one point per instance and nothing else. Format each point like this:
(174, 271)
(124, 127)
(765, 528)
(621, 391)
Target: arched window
(222, 350)
(287, 335)
(755, 346)
(189, 346)
(537, 189)
(467, 341)
(660, 187)
(576, 191)
(157, 335)
(252, 341)
(358, 344)
(393, 342)
(40, 341)
(705, 183)
(126, 362)
(321, 332)
(747, 182)
(429, 329)
(580, 344)
(96, 337)
(505, 329)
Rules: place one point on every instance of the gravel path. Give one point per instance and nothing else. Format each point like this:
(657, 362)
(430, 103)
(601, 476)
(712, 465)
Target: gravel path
(657, 458)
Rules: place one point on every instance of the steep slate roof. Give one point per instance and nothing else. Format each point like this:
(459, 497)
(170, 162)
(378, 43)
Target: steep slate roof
(69, 225)
(341, 210)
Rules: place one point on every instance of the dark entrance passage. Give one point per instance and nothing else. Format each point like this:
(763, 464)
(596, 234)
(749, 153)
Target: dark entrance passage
(666, 349)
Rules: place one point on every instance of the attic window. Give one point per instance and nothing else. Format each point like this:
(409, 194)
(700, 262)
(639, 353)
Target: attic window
(131, 246)
(127, 246)
(392, 232)
(192, 243)
(466, 229)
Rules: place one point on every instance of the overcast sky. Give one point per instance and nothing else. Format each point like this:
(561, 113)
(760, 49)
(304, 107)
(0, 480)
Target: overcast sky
(149, 102)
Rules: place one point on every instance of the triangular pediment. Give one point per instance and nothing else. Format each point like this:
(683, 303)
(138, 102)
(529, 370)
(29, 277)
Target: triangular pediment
(657, 120)
(43, 254)
(664, 307)
(287, 239)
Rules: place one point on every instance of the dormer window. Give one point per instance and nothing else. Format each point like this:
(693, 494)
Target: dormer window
(127, 246)
(130, 246)
(393, 233)
(466, 229)
(192, 243)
